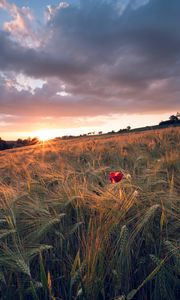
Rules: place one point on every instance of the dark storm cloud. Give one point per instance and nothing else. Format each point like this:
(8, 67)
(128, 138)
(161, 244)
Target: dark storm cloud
(33, 62)
(112, 59)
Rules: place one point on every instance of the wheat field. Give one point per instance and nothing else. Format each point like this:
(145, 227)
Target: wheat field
(66, 232)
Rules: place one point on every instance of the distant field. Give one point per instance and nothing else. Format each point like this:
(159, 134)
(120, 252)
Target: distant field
(68, 233)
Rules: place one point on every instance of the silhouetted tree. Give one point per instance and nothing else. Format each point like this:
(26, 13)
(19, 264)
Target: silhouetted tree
(19, 143)
(34, 141)
(3, 144)
(173, 118)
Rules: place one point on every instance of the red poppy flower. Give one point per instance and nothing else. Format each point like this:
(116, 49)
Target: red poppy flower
(116, 176)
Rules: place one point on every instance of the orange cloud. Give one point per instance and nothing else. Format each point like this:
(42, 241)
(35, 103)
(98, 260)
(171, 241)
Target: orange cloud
(19, 26)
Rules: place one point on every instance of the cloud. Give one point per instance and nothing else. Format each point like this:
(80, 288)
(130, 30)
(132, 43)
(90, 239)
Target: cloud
(21, 82)
(51, 10)
(112, 56)
(20, 27)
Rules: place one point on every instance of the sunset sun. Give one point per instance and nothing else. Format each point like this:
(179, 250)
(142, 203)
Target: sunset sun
(44, 135)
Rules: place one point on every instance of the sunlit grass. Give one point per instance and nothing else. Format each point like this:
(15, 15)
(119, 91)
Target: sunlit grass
(68, 233)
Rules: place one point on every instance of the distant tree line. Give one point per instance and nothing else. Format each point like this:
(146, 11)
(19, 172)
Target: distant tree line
(4, 145)
(174, 120)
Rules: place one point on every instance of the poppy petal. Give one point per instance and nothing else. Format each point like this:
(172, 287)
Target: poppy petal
(116, 176)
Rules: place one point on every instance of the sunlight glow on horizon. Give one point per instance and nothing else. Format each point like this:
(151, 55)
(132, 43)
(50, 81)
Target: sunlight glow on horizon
(47, 130)
(45, 134)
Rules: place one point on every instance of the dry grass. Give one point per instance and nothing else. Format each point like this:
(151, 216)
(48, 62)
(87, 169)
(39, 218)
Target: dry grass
(67, 233)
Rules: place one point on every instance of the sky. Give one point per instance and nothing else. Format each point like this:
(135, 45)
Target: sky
(77, 66)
